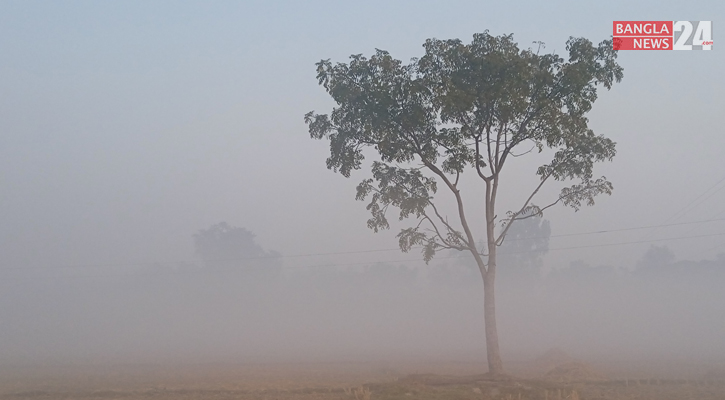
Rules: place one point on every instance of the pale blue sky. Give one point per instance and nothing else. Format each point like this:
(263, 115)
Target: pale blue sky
(127, 126)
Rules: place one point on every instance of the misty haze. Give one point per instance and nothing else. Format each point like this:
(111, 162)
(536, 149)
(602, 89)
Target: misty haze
(276, 200)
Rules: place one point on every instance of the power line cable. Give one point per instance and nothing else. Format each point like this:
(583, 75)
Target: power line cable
(703, 200)
(684, 210)
(623, 229)
(71, 266)
(692, 204)
(368, 262)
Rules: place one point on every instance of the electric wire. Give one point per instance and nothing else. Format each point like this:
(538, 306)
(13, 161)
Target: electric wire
(73, 266)
(364, 262)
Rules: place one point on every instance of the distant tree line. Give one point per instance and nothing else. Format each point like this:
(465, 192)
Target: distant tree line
(223, 247)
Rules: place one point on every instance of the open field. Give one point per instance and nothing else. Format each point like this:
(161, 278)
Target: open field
(654, 380)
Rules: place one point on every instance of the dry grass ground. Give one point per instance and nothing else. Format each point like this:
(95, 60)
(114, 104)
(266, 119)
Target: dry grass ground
(573, 380)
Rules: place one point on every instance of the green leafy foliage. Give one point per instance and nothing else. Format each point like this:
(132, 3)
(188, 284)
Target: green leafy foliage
(464, 107)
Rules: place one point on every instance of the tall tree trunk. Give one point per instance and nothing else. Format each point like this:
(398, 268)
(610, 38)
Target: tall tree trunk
(488, 272)
(495, 365)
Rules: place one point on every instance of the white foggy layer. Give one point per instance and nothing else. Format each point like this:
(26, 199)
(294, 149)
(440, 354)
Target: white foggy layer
(127, 128)
(385, 311)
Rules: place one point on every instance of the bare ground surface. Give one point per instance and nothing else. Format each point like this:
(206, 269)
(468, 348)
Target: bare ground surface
(570, 379)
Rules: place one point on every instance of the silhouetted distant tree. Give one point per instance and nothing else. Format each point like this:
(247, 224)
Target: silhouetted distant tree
(657, 257)
(659, 262)
(525, 245)
(226, 246)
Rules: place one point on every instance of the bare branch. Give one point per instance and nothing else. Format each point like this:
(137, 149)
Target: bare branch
(447, 225)
(446, 243)
(461, 213)
(524, 153)
(517, 138)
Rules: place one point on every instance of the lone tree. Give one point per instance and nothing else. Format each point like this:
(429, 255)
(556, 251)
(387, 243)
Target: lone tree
(466, 107)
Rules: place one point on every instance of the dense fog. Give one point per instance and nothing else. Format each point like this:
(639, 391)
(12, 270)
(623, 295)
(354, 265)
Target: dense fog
(161, 199)
(244, 304)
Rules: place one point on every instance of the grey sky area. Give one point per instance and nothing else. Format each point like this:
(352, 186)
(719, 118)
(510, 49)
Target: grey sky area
(127, 127)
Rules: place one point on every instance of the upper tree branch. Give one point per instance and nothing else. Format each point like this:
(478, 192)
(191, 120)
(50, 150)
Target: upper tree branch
(447, 225)
(478, 158)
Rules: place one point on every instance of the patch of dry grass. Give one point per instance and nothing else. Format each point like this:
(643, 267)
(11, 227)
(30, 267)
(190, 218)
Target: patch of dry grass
(354, 381)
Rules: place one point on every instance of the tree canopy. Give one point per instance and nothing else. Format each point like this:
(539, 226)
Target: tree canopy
(464, 106)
